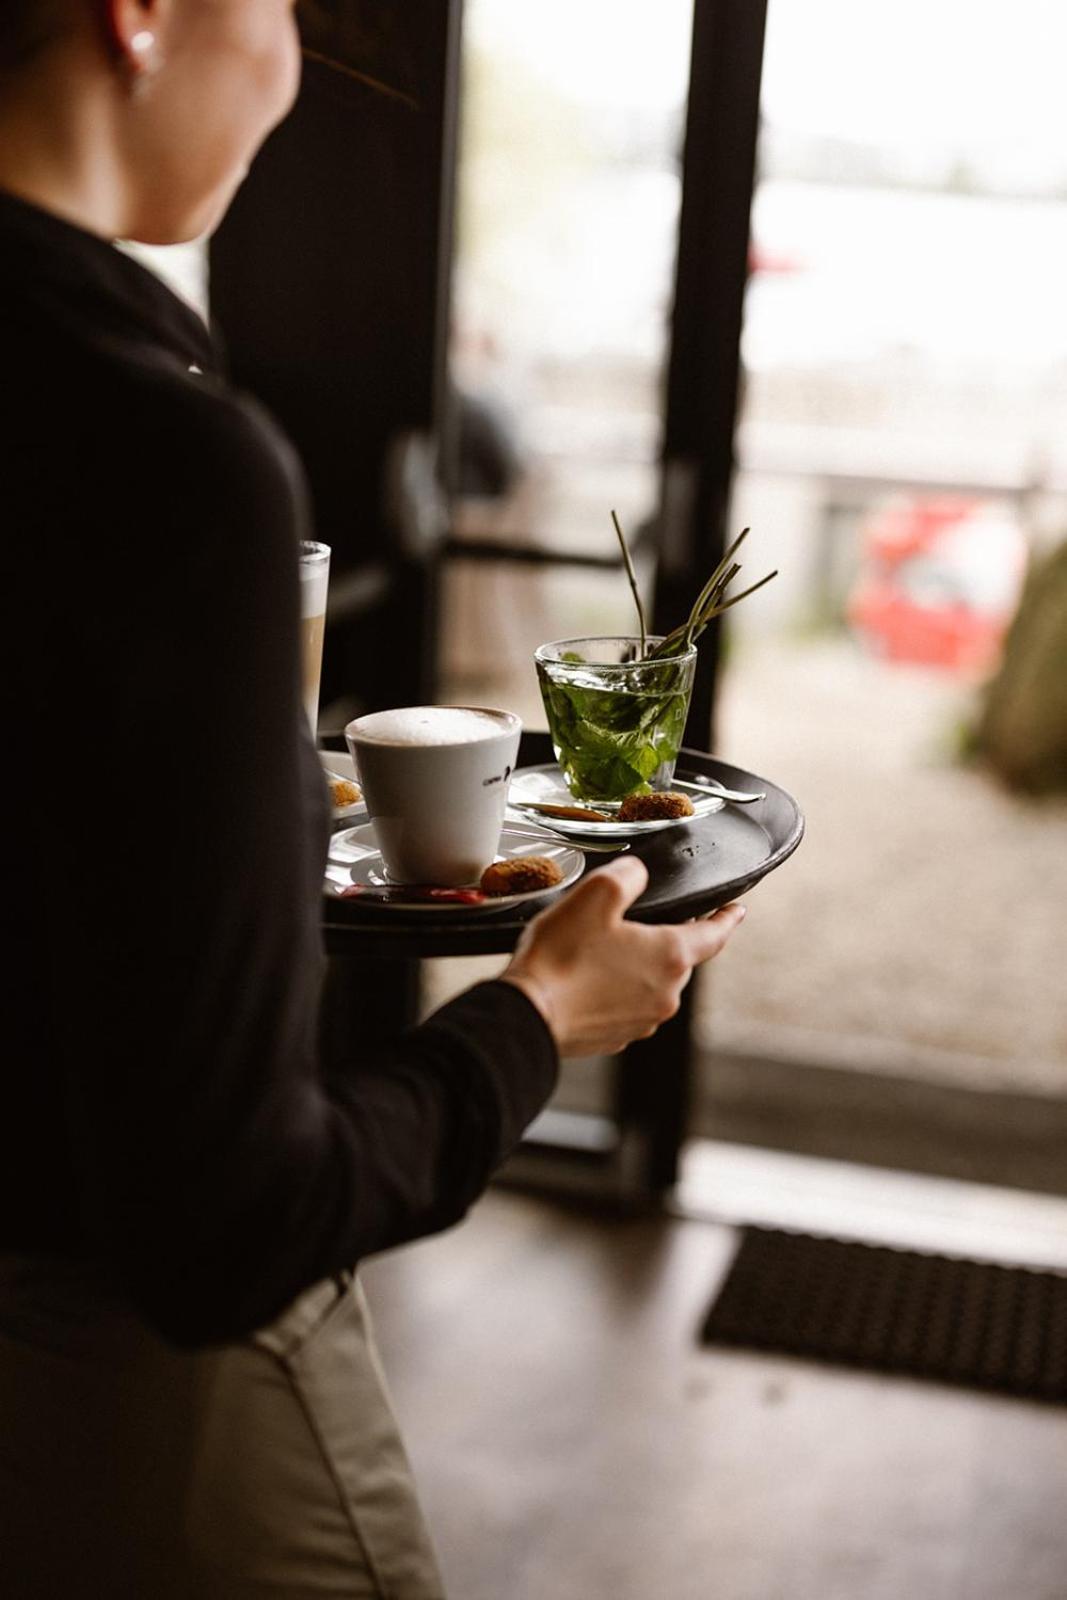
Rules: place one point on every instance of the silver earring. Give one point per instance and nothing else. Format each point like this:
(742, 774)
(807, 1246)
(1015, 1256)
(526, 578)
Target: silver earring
(143, 61)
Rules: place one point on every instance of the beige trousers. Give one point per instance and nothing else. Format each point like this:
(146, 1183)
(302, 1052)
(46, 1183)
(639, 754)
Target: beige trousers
(271, 1467)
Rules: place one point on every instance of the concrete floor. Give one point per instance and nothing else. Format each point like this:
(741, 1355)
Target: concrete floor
(573, 1441)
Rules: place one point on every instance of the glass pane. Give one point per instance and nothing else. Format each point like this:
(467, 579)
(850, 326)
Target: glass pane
(903, 462)
(569, 187)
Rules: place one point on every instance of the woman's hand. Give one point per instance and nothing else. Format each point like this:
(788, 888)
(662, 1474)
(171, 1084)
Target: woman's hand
(600, 981)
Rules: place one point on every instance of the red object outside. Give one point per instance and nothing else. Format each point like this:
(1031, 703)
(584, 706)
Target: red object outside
(939, 582)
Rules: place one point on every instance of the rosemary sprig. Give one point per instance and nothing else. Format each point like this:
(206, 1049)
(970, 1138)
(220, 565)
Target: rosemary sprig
(711, 602)
(631, 574)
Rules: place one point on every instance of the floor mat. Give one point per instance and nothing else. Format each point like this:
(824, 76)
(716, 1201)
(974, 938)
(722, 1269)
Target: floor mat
(901, 1311)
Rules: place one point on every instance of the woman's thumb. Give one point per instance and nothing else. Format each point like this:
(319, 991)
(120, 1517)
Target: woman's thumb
(617, 885)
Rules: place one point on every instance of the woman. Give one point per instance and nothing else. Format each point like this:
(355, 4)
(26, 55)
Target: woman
(190, 1404)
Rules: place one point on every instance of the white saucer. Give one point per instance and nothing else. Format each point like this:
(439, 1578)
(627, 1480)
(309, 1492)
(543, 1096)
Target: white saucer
(545, 786)
(356, 862)
(340, 762)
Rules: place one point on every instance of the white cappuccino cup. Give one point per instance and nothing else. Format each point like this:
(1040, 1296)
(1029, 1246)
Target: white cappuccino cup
(435, 781)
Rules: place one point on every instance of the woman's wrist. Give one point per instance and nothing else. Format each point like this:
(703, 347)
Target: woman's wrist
(538, 995)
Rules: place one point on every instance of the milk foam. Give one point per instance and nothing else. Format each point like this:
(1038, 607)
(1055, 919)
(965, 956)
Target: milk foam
(436, 725)
(314, 587)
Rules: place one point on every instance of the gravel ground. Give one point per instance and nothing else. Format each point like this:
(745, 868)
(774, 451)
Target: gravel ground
(921, 925)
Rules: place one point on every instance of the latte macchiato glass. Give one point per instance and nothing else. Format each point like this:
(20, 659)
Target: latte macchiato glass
(314, 583)
(435, 781)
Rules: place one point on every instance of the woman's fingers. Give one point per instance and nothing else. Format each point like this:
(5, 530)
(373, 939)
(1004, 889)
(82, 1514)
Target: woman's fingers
(684, 948)
(706, 938)
(600, 979)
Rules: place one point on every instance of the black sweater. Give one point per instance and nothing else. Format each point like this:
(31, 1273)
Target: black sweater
(163, 1111)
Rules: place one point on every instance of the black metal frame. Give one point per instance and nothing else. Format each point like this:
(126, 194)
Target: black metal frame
(703, 383)
(703, 400)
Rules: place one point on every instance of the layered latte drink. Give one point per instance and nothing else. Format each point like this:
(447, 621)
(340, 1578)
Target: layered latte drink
(314, 583)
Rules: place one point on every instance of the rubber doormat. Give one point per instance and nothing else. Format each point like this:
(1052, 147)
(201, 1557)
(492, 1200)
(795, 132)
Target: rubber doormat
(900, 1311)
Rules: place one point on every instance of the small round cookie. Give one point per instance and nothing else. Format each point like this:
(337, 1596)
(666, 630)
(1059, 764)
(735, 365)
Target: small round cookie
(520, 875)
(659, 807)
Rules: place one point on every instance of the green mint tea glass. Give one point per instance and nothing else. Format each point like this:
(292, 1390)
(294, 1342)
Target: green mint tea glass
(616, 722)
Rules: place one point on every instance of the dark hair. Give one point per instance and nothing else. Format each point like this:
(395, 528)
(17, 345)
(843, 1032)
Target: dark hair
(26, 26)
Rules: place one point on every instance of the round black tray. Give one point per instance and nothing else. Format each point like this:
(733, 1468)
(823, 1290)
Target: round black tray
(693, 869)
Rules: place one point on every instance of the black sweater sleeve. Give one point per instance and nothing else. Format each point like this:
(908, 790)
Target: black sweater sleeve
(213, 1167)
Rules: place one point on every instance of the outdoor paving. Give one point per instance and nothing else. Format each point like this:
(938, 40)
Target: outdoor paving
(920, 926)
